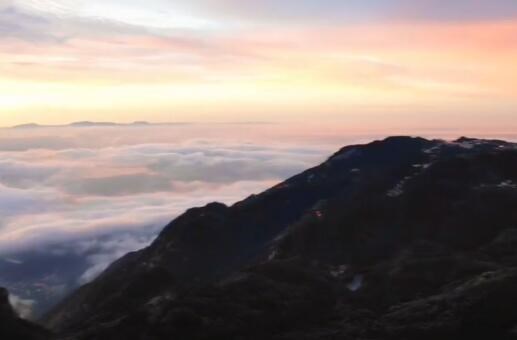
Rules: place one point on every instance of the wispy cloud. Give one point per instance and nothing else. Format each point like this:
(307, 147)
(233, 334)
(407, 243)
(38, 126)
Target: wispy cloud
(354, 11)
(23, 307)
(207, 60)
(15, 23)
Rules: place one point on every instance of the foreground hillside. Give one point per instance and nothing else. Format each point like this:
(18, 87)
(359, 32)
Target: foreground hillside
(405, 238)
(14, 328)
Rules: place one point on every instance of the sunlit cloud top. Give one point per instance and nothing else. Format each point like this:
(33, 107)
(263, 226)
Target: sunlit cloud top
(227, 60)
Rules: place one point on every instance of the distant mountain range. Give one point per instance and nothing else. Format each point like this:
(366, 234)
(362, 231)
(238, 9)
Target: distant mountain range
(87, 124)
(405, 238)
(113, 124)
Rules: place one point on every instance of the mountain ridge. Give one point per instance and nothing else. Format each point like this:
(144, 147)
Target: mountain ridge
(140, 123)
(85, 124)
(351, 247)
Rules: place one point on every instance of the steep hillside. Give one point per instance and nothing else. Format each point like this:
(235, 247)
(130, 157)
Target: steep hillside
(404, 238)
(14, 328)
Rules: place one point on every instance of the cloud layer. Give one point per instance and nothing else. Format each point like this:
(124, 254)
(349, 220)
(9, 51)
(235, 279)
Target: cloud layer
(71, 207)
(48, 195)
(73, 199)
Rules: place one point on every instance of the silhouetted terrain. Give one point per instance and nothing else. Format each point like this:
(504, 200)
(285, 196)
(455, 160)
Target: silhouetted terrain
(405, 238)
(14, 328)
(91, 124)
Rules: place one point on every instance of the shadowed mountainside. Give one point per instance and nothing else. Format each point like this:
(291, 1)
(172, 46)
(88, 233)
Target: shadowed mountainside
(405, 238)
(13, 328)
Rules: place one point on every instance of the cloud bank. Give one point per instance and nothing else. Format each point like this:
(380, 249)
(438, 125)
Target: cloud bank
(71, 207)
(73, 199)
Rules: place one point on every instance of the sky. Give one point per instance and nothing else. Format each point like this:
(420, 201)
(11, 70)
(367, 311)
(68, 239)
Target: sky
(258, 91)
(364, 63)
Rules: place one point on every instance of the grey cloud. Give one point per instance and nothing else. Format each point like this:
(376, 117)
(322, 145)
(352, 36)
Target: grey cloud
(17, 143)
(151, 168)
(459, 10)
(15, 202)
(220, 169)
(18, 174)
(17, 24)
(30, 23)
(13, 261)
(80, 178)
(353, 11)
(77, 154)
(118, 185)
(221, 163)
(62, 27)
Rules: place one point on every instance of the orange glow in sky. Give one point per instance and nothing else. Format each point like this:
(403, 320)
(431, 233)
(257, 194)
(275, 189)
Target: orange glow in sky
(368, 62)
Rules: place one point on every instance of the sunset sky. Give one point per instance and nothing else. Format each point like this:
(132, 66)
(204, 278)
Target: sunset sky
(263, 90)
(428, 62)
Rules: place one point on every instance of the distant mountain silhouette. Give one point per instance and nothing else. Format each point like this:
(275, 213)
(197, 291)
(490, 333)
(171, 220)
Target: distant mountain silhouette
(404, 238)
(28, 126)
(136, 123)
(82, 124)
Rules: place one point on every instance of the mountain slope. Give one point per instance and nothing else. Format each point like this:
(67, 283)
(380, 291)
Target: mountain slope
(13, 327)
(360, 246)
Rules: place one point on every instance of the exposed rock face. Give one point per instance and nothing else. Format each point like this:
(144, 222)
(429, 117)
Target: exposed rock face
(405, 238)
(14, 328)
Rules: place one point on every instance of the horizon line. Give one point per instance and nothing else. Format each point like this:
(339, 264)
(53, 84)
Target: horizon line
(87, 123)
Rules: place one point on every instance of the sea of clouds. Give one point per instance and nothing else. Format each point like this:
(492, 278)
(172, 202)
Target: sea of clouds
(74, 199)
